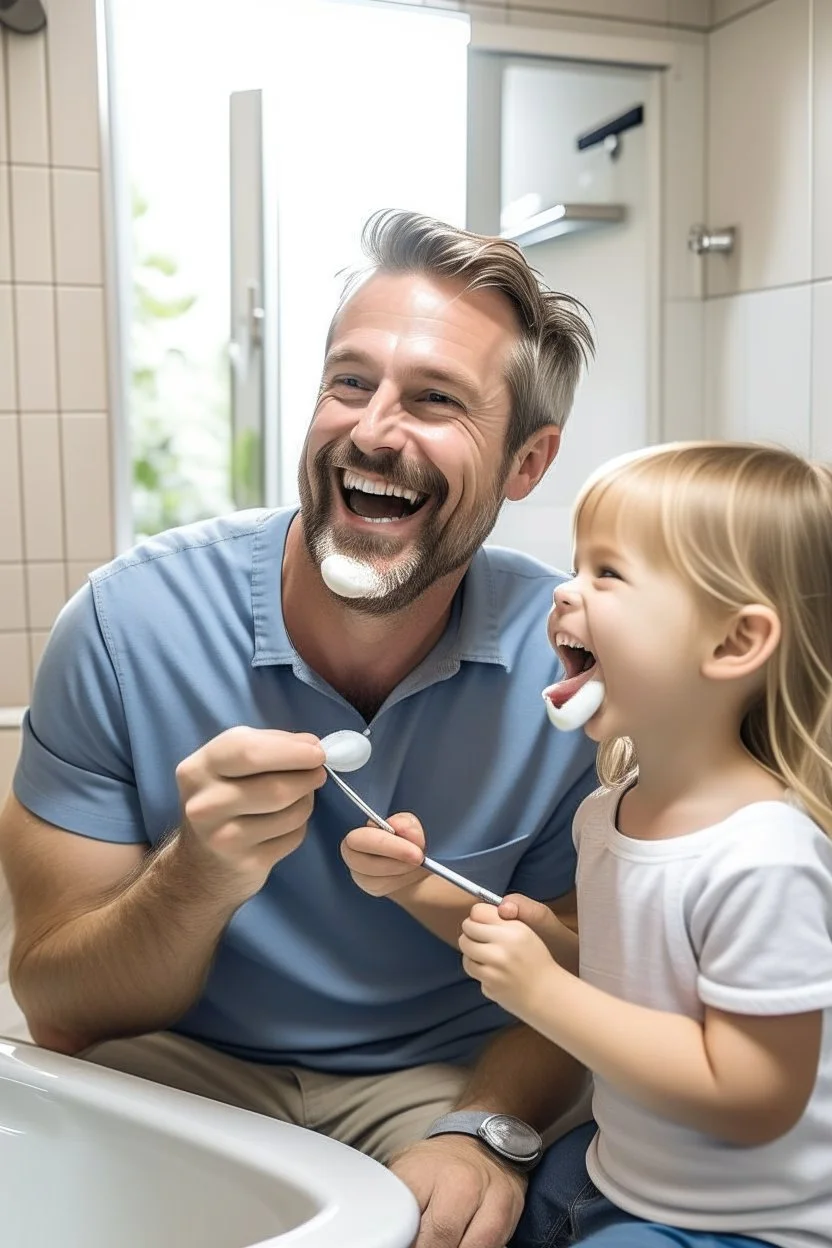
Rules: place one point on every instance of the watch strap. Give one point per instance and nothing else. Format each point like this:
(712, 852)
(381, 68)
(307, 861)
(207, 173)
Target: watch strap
(468, 1122)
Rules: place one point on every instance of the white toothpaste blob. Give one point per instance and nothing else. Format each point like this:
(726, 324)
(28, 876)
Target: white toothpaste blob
(350, 578)
(346, 750)
(579, 709)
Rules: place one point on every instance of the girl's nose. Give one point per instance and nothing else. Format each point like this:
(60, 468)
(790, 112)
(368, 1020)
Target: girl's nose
(565, 595)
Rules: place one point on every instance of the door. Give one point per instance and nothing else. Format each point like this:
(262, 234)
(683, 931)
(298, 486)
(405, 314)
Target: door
(533, 123)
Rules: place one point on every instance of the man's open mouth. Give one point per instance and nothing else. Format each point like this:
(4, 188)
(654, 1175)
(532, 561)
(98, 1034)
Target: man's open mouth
(381, 501)
(580, 664)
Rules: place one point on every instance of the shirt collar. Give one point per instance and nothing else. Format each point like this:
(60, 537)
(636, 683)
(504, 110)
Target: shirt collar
(477, 630)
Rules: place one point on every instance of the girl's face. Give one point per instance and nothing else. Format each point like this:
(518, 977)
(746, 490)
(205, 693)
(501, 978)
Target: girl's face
(640, 621)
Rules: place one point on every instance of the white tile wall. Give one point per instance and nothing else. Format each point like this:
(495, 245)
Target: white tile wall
(759, 366)
(822, 371)
(769, 362)
(822, 139)
(759, 164)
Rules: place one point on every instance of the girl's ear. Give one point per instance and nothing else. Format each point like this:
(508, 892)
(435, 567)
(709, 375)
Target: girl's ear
(751, 637)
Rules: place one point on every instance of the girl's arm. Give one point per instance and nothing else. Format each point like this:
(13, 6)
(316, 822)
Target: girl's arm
(744, 1079)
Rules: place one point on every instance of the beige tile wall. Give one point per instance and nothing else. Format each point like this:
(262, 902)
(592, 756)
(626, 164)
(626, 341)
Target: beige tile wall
(769, 307)
(55, 487)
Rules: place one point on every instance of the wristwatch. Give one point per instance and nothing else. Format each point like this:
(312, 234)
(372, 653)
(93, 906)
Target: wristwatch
(510, 1138)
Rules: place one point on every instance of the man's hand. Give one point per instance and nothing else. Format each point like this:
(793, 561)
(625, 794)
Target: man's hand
(511, 962)
(382, 864)
(246, 798)
(536, 916)
(467, 1199)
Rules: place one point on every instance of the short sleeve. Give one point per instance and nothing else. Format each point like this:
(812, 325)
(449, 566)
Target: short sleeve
(764, 937)
(547, 870)
(75, 768)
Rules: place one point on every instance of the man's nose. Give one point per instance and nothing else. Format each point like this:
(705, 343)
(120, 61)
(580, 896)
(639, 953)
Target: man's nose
(380, 426)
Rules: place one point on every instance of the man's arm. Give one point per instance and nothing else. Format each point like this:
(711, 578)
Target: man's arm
(110, 939)
(114, 939)
(458, 1182)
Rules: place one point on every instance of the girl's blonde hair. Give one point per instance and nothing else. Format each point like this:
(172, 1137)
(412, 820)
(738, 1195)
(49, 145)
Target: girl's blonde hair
(743, 523)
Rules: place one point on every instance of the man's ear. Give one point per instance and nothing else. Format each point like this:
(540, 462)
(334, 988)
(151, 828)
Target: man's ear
(531, 462)
(750, 639)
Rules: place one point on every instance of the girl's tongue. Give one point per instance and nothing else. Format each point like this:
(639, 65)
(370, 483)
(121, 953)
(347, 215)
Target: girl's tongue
(560, 693)
(572, 701)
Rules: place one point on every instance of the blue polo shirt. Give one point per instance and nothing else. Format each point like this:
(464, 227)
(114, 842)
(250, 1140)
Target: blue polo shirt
(183, 637)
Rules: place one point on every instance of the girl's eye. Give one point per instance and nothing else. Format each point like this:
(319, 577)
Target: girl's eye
(608, 574)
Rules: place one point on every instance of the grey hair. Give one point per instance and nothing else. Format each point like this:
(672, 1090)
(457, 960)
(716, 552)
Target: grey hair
(555, 338)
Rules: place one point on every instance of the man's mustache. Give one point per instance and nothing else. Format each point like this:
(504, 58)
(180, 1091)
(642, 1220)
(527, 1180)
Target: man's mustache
(422, 478)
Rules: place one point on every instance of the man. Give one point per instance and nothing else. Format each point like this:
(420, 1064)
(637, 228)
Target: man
(177, 876)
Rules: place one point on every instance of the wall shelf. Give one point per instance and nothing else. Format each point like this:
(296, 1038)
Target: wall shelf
(562, 219)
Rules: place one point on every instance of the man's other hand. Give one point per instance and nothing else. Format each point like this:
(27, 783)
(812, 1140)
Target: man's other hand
(467, 1198)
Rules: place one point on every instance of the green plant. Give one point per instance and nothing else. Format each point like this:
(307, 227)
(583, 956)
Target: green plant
(179, 407)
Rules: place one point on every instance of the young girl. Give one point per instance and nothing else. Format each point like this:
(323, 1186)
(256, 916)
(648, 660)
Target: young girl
(701, 998)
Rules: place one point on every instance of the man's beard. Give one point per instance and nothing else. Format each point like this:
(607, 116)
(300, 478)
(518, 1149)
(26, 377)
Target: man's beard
(404, 574)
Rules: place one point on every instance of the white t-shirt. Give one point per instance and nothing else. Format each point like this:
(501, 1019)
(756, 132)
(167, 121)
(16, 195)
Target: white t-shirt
(737, 916)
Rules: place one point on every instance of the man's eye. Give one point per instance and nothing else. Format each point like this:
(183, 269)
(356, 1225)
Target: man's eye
(354, 383)
(435, 396)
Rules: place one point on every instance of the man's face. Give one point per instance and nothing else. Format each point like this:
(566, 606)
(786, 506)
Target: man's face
(403, 466)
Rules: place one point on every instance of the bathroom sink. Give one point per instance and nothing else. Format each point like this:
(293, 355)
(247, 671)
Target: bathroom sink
(91, 1158)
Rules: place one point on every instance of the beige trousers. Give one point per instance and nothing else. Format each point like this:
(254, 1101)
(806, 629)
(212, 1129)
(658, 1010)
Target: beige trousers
(377, 1114)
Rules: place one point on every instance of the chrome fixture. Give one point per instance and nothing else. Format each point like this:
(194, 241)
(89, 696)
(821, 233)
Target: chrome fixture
(701, 240)
(26, 17)
(562, 219)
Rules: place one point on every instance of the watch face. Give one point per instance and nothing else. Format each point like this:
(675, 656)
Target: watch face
(511, 1136)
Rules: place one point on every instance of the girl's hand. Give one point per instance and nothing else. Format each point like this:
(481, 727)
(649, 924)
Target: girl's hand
(536, 916)
(508, 959)
(381, 864)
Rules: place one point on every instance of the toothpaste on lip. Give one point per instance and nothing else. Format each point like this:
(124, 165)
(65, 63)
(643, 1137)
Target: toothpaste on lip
(578, 709)
(350, 578)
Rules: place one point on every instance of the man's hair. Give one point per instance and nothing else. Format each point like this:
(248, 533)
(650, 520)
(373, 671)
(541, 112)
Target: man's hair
(555, 339)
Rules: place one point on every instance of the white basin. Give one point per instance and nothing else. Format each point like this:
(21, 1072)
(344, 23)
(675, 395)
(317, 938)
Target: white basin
(91, 1158)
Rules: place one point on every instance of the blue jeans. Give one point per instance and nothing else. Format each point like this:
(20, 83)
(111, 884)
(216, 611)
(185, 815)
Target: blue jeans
(564, 1207)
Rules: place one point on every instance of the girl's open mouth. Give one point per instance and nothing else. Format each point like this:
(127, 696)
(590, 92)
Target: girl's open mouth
(580, 664)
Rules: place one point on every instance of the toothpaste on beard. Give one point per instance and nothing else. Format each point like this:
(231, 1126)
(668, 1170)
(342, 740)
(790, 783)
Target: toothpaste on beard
(579, 709)
(351, 578)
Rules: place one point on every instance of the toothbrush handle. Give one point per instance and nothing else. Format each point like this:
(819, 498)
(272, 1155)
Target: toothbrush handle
(430, 864)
